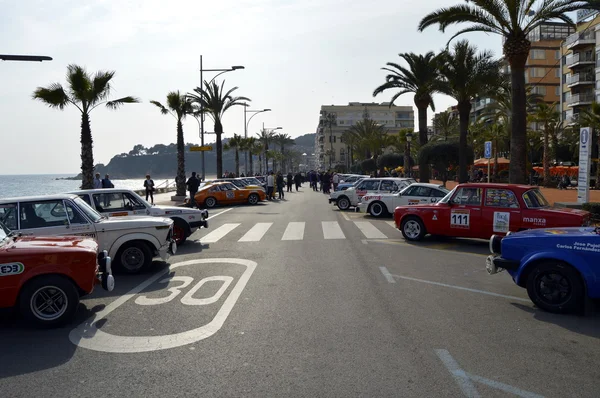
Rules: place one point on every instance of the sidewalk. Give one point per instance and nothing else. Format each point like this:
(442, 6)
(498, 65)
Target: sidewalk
(165, 199)
(552, 194)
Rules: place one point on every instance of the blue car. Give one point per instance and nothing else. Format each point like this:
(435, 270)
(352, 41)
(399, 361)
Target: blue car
(559, 267)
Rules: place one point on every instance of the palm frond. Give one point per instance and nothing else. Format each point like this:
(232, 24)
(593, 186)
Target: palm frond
(100, 89)
(54, 96)
(116, 104)
(80, 85)
(160, 106)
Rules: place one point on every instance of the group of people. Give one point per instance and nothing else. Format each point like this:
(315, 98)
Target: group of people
(276, 182)
(323, 181)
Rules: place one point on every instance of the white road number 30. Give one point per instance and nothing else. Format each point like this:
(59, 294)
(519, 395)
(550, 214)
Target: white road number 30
(188, 298)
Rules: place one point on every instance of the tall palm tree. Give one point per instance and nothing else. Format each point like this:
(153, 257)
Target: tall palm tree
(283, 140)
(591, 118)
(467, 75)
(86, 93)
(236, 143)
(257, 150)
(373, 136)
(548, 117)
(178, 106)
(421, 77)
(264, 138)
(446, 124)
(216, 101)
(513, 20)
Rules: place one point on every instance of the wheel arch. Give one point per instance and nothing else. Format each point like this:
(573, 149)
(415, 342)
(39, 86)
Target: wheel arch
(540, 258)
(382, 203)
(182, 222)
(147, 239)
(67, 277)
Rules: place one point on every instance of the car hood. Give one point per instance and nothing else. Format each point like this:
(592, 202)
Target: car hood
(26, 243)
(172, 210)
(571, 232)
(134, 222)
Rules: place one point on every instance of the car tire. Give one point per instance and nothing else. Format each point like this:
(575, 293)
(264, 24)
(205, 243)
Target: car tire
(134, 256)
(181, 231)
(377, 209)
(210, 202)
(413, 229)
(36, 294)
(343, 203)
(556, 287)
(253, 199)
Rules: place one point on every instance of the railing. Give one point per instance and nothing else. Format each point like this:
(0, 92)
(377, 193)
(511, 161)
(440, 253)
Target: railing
(580, 77)
(579, 57)
(576, 98)
(580, 36)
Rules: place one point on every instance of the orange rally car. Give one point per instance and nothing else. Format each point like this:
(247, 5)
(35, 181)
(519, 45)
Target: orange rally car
(226, 193)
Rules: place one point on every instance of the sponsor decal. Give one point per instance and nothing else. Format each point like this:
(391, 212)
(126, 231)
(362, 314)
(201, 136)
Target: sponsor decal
(501, 221)
(173, 212)
(555, 231)
(367, 198)
(229, 194)
(434, 218)
(460, 219)
(87, 235)
(140, 212)
(119, 214)
(413, 202)
(533, 220)
(579, 246)
(11, 269)
(191, 217)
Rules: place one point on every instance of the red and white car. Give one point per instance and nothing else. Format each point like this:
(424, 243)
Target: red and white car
(481, 210)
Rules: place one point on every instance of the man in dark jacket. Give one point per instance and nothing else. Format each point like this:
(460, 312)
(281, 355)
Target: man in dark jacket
(290, 181)
(297, 180)
(193, 183)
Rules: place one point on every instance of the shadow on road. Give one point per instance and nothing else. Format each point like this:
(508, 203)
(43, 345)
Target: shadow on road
(585, 325)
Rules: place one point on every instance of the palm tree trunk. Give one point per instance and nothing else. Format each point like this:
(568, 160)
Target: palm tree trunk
(218, 133)
(237, 162)
(546, 157)
(464, 111)
(87, 153)
(180, 160)
(422, 113)
(518, 136)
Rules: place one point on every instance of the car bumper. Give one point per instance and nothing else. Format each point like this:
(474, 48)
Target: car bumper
(496, 264)
(199, 224)
(104, 274)
(361, 207)
(168, 249)
(332, 200)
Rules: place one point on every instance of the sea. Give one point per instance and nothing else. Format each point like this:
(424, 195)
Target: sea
(47, 184)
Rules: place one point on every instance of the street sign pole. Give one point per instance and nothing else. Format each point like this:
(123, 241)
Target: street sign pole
(488, 155)
(585, 155)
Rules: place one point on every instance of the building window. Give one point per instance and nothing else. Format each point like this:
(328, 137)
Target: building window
(538, 54)
(537, 72)
(541, 90)
(557, 54)
(557, 72)
(557, 91)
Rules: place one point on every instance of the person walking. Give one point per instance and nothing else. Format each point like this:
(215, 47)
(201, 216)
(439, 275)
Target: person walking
(280, 185)
(290, 181)
(193, 183)
(336, 181)
(298, 180)
(270, 185)
(149, 185)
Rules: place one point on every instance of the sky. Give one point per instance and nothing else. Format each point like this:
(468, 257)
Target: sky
(298, 55)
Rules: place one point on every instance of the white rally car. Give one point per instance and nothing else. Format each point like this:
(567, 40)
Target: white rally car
(115, 202)
(131, 242)
(381, 204)
(351, 196)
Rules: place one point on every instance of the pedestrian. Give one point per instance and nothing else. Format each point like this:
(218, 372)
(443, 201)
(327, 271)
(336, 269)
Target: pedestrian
(97, 182)
(336, 181)
(290, 181)
(149, 185)
(280, 185)
(270, 185)
(192, 186)
(107, 183)
(298, 180)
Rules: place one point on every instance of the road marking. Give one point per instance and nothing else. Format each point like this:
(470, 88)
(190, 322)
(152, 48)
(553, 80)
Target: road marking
(256, 233)
(345, 215)
(388, 276)
(294, 231)
(369, 230)
(218, 214)
(332, 230)
(462, 288)
(87, 335)
(391, 224)
(218, 233)
(465, 380)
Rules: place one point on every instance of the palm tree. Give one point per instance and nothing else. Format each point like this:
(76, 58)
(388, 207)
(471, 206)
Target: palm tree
(548, 117)
(236, 143)
(591, 118)
(467, 75)
(446, 125)
(264, 138)
(282, 140)
(373, 136)
(257, 149)
(86, 93)
(178, 106)
(248, 146)
(486, 130)
(514, 20)
(215, 101)
(421, 77)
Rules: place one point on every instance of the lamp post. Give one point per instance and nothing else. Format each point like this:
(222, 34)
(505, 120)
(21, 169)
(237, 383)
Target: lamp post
(27, 58)
(235, 67)
(407, 155)
(246, 124)
(267, 144)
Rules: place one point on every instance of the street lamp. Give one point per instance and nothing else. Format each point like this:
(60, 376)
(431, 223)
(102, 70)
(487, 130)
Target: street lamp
(246, 124)
(407, 155)
(235, 67)
(29, 58)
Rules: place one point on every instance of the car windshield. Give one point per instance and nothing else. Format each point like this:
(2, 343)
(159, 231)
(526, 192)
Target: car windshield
(446, 198)
(138, 197)
(357, 182)
(4, 231)
(534, 199)
(87, 210)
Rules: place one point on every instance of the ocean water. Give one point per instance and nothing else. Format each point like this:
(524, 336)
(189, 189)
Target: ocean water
(48, 184)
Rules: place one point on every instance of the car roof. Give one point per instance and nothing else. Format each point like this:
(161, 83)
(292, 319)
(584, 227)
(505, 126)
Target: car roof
(100, 190)
(426, 184)
(496, 185)
(38, 197)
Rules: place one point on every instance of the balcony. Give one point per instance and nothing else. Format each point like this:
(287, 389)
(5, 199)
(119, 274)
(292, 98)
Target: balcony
(580, 79)
(578, 59)
(581, 99)
(581, 39)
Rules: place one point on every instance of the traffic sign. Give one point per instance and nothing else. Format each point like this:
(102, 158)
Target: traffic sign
(488, 150)
(201, 148)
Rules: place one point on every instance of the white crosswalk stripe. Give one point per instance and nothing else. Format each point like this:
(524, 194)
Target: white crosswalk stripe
(256, 232)
(391, 223)
(294, 231)
(369, 230)
(217, 234)
(332, 230)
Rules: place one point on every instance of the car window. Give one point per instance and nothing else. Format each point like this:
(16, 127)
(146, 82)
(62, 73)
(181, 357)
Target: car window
(229, 187)
(500, 198)
(421, 191)
(468, 196)
(437, 193)
(112, 202)
(8, 215)
(214, 188)
(86, 198)
(73, 214)
(135, 201)
(369, 185)
(48, 213)
(87, 210)
(409, 191)
(387, 185)
(534, 199)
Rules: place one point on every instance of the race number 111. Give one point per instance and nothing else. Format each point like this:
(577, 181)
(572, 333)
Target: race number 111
(460, 219)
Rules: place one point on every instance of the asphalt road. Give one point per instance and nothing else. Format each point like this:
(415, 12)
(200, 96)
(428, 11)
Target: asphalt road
(304, 300)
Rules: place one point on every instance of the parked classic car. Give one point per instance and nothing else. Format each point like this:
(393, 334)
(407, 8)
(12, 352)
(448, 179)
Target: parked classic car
(345, 199)
(479, 210)
(227, 193)
(131, 242)
(559, 267)
(115, 202)
(382, 204)
(44, 277)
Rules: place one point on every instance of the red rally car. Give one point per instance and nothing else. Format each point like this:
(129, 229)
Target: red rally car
(481, 210)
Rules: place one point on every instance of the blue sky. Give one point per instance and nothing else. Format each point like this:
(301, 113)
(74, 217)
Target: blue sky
(298, 55)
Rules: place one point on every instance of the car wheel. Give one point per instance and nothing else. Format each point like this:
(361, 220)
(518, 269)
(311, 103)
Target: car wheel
(210, 202)
(413, 229)
(134, 256)
(555, 287)
(343, 203)
(377, 209)
(253, 199)
(49, 301)
(180, 231)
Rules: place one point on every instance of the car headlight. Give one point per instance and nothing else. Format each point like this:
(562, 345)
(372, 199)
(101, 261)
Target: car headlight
(496, 244)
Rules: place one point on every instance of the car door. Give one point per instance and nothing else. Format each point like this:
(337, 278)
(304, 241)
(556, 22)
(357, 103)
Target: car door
(367, 187)
(387, 186)
(464, 215)
(418, 195)
(138, 206)
(44, 217)
(78, 224)
(501, 212)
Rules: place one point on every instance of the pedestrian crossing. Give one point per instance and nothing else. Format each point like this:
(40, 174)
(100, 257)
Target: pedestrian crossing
(296, 231)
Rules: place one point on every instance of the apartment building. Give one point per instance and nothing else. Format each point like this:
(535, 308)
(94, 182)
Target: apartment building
(329, 147)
